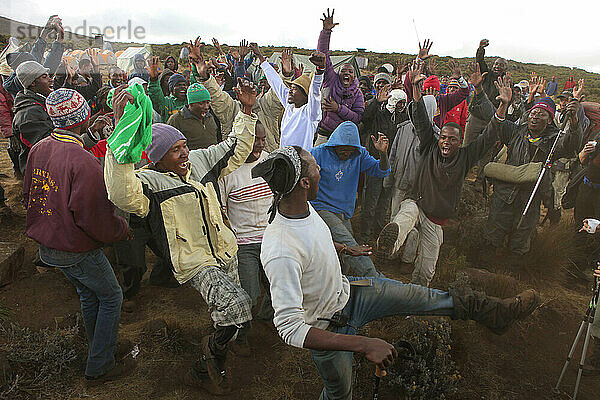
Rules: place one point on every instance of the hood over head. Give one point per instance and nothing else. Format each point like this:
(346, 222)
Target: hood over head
(346, 134)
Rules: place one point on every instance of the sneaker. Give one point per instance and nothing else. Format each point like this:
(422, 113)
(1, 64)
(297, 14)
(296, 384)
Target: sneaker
(121, 369)
(215, 368)
(386, 241)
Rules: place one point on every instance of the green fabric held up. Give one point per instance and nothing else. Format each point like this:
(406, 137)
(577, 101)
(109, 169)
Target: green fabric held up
(133, 133)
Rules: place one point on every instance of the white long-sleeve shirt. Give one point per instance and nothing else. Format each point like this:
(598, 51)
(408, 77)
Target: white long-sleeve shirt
(298, 125)
(304, 273)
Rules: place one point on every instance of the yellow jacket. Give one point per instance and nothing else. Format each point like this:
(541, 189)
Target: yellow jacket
(184, 214)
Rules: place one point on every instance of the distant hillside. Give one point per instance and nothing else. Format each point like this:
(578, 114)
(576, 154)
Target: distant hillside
(519, 70)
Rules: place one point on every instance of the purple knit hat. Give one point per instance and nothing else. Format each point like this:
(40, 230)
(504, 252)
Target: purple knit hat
(163, 138)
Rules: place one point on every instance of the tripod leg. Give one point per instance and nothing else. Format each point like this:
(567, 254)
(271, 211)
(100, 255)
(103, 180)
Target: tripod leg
(583, 353)
(573, 346)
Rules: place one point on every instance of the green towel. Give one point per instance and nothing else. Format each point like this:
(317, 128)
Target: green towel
(133, 133)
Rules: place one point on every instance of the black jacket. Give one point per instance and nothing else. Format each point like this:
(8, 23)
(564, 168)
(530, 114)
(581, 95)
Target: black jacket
(488, 80)
(31, 122)
(377, 118)
(439, 180)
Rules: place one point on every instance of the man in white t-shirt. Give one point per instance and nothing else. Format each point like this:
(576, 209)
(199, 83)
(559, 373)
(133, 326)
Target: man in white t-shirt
(318, 308)
(246, 201)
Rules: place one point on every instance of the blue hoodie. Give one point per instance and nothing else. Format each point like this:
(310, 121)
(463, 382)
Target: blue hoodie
(339, 179)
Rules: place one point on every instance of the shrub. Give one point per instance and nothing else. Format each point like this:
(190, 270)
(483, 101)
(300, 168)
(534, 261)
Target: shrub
(432, 374)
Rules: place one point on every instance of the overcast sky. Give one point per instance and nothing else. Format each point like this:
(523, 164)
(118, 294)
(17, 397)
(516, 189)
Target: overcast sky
(526, 31)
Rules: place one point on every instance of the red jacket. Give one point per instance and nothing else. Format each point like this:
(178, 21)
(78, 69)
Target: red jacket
(458, 114)
(67, 204)
(6, 112)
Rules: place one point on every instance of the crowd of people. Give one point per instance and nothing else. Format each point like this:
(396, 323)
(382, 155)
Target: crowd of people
(242, 177)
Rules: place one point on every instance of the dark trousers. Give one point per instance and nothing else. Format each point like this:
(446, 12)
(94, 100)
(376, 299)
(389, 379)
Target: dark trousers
(504, 218)
(587, 205)
(374, 213)
(131, 258)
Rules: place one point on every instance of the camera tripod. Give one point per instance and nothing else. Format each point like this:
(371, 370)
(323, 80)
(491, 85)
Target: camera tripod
(588, 319)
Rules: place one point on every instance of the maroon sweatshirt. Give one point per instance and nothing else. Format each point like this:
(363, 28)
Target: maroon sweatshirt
(67, 204)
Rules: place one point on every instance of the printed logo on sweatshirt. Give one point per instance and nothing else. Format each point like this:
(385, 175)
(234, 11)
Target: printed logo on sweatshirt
(41, 185)
(339, 175)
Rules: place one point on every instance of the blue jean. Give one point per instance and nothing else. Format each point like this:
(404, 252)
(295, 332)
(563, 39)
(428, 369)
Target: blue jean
(341, 232)
(383, 298)
(101, 298)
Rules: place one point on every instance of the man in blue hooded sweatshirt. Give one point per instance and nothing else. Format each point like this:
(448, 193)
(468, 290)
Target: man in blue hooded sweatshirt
(342, 159)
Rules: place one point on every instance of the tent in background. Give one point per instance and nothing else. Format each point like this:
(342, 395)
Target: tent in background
(125, 60)
(337, 62)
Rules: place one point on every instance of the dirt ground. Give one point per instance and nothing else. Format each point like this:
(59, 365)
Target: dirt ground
(522, 364)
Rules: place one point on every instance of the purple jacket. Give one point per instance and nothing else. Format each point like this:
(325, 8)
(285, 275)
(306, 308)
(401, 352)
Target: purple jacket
(351, 101)
(445, 102)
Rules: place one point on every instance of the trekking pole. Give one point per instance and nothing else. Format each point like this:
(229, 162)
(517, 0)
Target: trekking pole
(405, 352)
(379, 373)
(588, 320)
(545, 167)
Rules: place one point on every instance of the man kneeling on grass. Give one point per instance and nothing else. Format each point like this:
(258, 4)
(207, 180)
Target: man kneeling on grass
(309, 292)
(177, 194)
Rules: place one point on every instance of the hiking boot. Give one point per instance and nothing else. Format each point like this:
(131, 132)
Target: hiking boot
(497, 314)
(123, 348)
(128, 306)
(215, 367)
(121, 369)
(240, 348)
(385, 242)
(592, 364)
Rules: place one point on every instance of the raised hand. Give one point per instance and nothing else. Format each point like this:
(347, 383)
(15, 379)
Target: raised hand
(256, 50)
(432, 66)
(476, 77)
(381, 143)
(93, 54)
(484, 43)
(120, 99)
(235, 54)
(196, 50)
(415, 73)
(424, 50)
(318, 59)
(287, 62)
(328, 23)
(578, 90)
(384, 94)
(153, 68)
(215, 43)
(430, 92)
(245, 92)
(455, 71)
(244, 48)
(504, 86)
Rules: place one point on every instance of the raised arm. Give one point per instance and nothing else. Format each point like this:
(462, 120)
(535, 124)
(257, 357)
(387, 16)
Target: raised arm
(124, 189)
(230, 154)
(275, 81)
(154, 90)
(498, 128)
(481, 107)
(479, 56)
(323, 45)
(455, 98)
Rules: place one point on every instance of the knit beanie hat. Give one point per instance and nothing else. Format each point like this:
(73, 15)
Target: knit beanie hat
(163, 138)
(453, 83)
(67, 108)
(29, 71)
(197, 93)
(174, 80)
(396, 95)
(384, 76)
(432, 82)
(547, 104)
